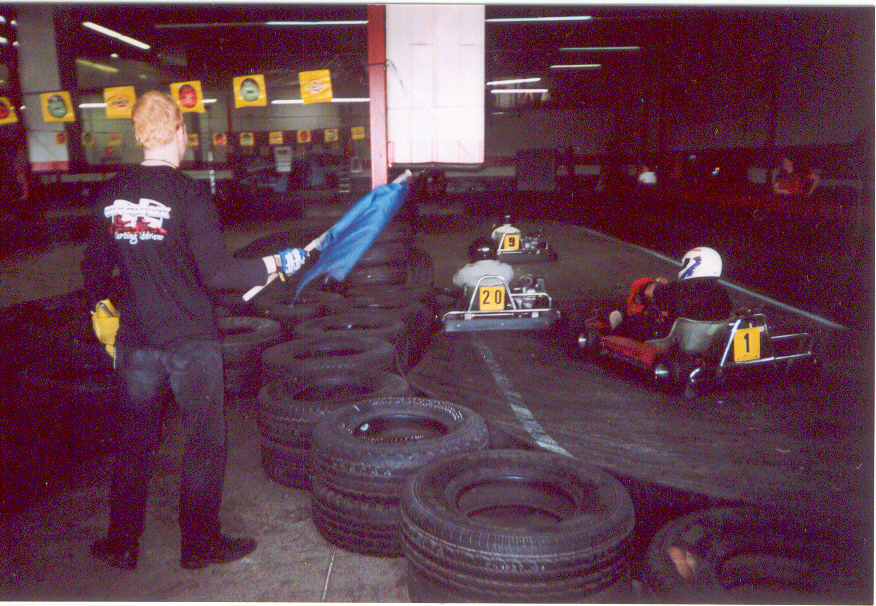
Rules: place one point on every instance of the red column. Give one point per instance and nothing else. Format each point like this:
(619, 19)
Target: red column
(377, 92)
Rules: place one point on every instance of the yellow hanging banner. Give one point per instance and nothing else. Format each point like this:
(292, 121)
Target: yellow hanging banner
(194, 140)
(250, 91)
(303, 136)
(188, 96)
(357, 132)
(275, 137)
(57, 107)
(330, 135)
(316, 86)
(247, 139)
(114, 139)
(87, 138)
(220, 139)
(119, 101)
(7, 111)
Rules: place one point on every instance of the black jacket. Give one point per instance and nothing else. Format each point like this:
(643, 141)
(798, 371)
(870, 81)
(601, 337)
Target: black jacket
(694, 298)
(161, 230)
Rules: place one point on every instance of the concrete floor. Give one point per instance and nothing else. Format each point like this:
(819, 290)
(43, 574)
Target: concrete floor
(45, 547)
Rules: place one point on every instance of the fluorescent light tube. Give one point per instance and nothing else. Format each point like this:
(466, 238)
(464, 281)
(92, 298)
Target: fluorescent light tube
(113, 34)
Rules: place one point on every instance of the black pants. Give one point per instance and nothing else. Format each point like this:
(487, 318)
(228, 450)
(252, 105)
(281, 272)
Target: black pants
(193, 372)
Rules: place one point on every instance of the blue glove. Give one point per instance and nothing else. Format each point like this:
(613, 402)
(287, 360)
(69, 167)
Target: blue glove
(289, 261)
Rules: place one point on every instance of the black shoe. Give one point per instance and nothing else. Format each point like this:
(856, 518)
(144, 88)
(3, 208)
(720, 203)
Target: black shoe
(227, 549)
(116, 554)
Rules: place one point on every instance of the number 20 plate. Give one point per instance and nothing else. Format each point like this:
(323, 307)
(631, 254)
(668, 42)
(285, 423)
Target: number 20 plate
(746, 344)
(492, 298)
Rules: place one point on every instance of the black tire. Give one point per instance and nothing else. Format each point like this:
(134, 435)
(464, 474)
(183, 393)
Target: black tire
(289, 410)
(280, 306)
(243, 338)
(738, 549)
(371, 323)
(377, 275)
(389, 252)
(416, 316)
(515, 526)
(77, 404)
(365, 452)
(329, 354)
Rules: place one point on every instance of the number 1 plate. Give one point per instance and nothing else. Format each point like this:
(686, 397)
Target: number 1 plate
(746, 344)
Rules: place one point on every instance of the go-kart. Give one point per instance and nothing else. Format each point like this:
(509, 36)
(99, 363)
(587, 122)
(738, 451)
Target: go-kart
(515, 248)
(494, 305)
(699, 355)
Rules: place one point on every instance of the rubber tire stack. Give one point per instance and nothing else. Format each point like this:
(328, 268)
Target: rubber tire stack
(363, 454)
(373, 323)
(516, 526)
(326, 355)
(289, 410)
(243, 339)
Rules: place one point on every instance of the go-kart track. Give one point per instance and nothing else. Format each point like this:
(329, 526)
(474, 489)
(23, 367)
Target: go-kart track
(790, 445)
(764, 439)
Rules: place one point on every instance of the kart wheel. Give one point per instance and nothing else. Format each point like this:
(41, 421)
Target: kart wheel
(588, 341)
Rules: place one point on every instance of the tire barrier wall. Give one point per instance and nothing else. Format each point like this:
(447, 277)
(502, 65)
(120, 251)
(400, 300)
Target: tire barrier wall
(363, 453)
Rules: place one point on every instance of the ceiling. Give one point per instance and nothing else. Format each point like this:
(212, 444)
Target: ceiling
(215, 42)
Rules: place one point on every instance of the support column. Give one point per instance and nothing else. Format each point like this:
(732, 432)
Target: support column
(377, 93)
(38, 73)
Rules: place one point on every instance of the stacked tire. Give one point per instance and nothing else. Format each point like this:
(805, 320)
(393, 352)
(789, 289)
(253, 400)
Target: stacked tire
(289, 410)
(516, 526)
(243, 339)
(363, 454)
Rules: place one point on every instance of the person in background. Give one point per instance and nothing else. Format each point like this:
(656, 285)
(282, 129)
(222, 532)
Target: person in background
(788, 182)
(159, 229)
(654, 304)
(506, 226)
(482, 263)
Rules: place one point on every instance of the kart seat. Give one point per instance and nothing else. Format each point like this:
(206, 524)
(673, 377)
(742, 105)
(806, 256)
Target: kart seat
(693, 336)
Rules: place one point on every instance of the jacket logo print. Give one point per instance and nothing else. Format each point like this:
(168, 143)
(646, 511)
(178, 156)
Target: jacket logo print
(133, 222)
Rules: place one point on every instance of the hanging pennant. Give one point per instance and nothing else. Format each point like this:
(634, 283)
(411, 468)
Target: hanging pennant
(119, 101)
(275, 137)
(7, 111)
(357, 132)
(220, 139)
(303, 136)
(57, 107)
(194, 140)
(188, 96)
(250, 91)
(247, 139)
(87, 138)
(61, 138)
(316, 86)
(114, 139)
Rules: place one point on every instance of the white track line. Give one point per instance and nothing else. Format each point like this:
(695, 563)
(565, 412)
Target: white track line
(515, 400)
(764, 298)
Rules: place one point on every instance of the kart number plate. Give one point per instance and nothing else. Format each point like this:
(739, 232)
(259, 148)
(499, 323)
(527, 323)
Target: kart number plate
(492, 298)
(746, 344)
(511, 242)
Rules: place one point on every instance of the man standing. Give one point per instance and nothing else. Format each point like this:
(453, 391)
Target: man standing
(160, 230)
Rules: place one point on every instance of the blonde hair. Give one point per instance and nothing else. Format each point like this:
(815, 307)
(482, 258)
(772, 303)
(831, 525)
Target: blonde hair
(156, 117)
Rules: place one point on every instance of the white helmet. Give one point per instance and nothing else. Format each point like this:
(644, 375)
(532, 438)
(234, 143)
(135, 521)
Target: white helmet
(702, 262)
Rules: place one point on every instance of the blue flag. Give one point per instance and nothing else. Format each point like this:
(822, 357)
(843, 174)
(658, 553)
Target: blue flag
(347, 240)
